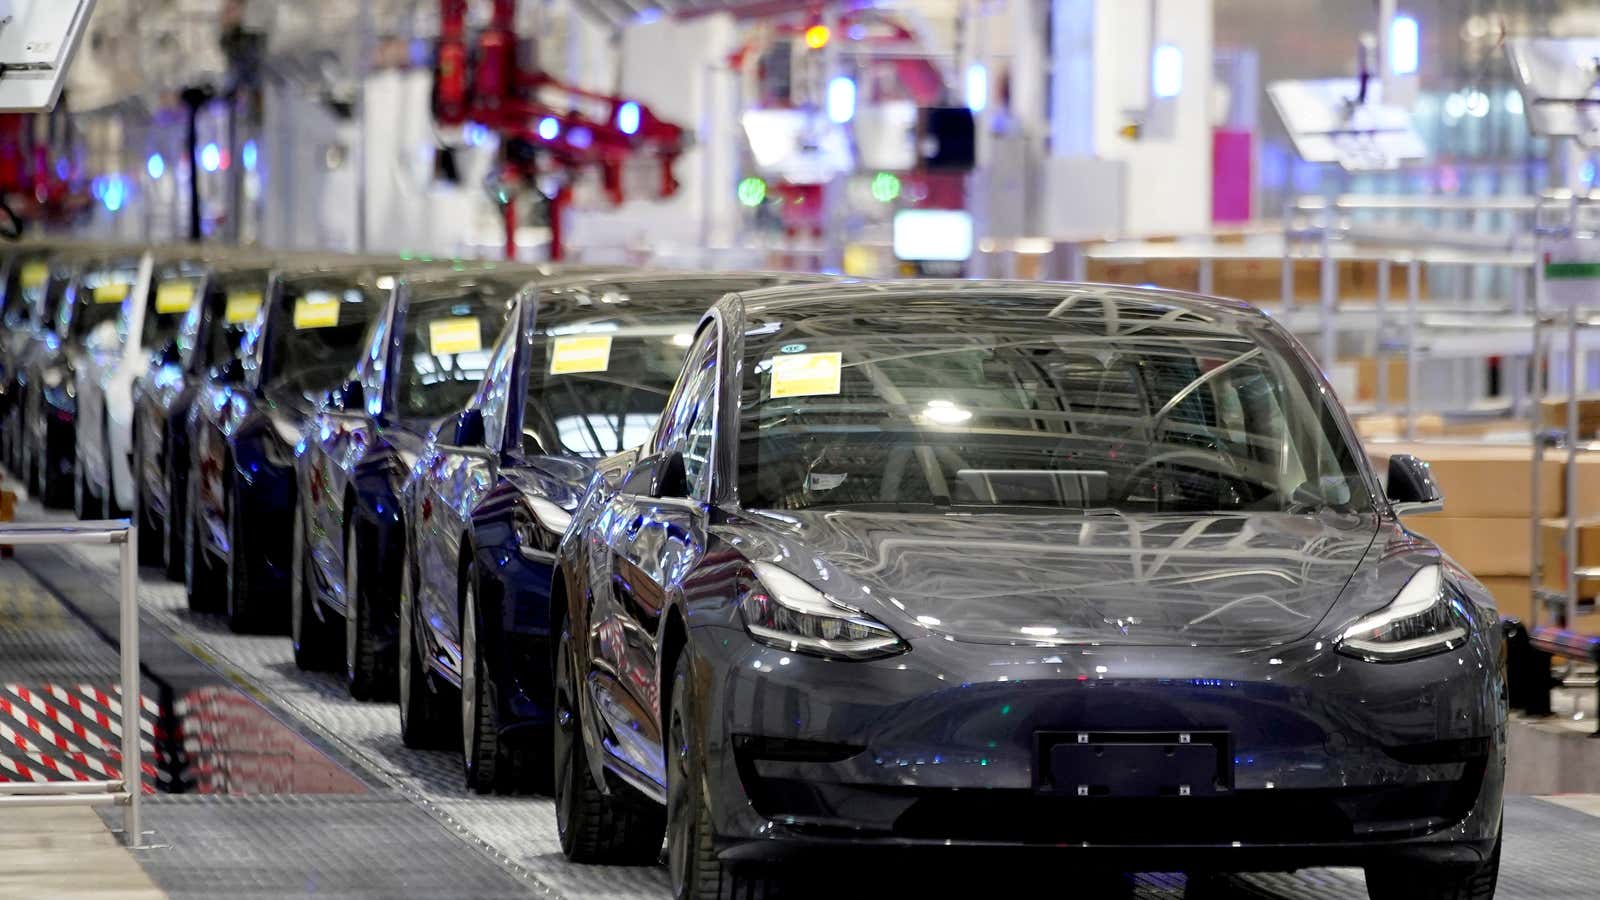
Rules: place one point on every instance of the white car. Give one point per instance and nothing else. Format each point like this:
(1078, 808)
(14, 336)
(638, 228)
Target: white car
(166, 284)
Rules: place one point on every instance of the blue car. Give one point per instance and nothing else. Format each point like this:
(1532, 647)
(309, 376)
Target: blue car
(420, 366)
(209, 335)
(246, 422)
(581, 373)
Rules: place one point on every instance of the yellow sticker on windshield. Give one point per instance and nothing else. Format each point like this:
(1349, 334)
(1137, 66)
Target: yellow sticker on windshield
(575, 353)
(242, 307)
(34, 275)
(316, 311)
(174, 297)
(806, 374)
(111, 292)
(447, 336)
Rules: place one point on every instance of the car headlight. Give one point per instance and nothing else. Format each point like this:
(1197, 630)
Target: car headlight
(539, 528)
(781, 609)
(1426, 617)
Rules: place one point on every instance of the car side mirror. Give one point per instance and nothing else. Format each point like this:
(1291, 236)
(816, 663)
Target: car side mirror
(469, 428)
(669, 478)
(1411, 486)
(230, 372)
(352, 395)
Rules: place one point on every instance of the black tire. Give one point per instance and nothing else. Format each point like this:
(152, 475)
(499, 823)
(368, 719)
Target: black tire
(693, 870)
(152, 538)
(85, 505)
(201, 581)
(1419, 881)
(616, 828)
(245, 613)
(108, 501)
(480, 728)
(56, 477)
(367, 673)
(316, 646)
(174, 531)
(424, 713)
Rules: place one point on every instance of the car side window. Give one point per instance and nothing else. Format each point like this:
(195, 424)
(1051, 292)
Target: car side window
(691, 413)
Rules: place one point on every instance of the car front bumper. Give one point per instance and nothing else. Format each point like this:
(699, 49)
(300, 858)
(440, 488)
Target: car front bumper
(1333, 760)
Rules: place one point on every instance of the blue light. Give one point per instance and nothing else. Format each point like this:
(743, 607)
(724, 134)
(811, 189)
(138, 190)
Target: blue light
(580, 137)
(210, 157)
(646, 16)
(1404, 45)
(115, 193)
(1166, 73)
(977, 87)
(97, 187)
(156, 165)
(549, 128)
(841, 99)
(63, 169)
(628, 117)
(249, 155)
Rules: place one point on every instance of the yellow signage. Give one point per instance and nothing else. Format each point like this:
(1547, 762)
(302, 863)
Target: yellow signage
(575, 353)
(34, 275)
(111, 292)
(806, 374)
(447, 336)
(316, 312)
(174, 297)
(242, 306)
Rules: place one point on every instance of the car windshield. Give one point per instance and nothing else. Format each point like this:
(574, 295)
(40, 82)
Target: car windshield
(317, 329)
(232, 306)
(26, 281)
(171, 292)
(597, 388)
(1112, 402)
(445, 350)
(608, 354)
(101, 290)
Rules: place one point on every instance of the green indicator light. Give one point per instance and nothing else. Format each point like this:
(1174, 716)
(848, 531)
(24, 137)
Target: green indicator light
(885, 187)
(752, 191)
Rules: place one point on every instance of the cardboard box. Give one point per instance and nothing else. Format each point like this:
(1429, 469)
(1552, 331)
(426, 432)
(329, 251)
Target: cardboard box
(1553, 563)
(1512, 594)
(1485, 480)
(1116, 271)
(1367, 379)
(1553, 414)
(1482, 546)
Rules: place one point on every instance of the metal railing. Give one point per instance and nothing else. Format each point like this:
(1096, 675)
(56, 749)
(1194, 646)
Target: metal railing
(126, 790)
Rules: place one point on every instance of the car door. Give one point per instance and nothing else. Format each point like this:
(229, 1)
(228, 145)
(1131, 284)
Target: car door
(343, 431)
(649, 540)
(456, 480)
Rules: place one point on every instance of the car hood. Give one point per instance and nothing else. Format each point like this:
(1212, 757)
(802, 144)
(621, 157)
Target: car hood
(1209, 580)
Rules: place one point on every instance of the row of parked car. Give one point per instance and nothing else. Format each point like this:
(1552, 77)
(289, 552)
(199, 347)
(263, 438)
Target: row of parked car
(770, 563)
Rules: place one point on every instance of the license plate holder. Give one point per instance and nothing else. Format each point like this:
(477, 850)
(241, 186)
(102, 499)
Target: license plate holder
(1134, 763)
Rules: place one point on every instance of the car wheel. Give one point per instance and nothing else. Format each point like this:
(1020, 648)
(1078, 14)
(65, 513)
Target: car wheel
(693, 869)
(55, 481)
(315, 647)
(617, 828)
(109, 497)
(1419, 881)
(244, 601)
(424, 716)
(200, 579)
(480, 732)
(85, 505)
(152, 539)
(365, 671)
(177, 505)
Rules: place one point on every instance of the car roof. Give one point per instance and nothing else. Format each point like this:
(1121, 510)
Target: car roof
(1128, 301)
(431, 284)
(666, 292)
